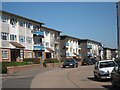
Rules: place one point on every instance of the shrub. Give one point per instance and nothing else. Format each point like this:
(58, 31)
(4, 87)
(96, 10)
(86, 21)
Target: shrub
(51, 60)
(32, 60)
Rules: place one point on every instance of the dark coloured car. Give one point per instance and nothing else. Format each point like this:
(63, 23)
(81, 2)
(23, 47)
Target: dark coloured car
(86, 61)
(71, 63)
(115, 77)
(94, 60)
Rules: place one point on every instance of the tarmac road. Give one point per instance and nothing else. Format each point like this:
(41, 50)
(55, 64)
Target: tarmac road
(81, 77)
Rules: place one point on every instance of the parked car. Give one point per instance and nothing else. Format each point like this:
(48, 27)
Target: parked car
(103, 69)
(115, 77)
(86, 61)
(94, 60)
(70, 63)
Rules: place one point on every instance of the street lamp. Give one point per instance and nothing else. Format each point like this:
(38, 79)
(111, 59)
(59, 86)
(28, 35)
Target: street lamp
(118, 31)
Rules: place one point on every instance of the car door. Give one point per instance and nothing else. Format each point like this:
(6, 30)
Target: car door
(96, 69)
(118, 75)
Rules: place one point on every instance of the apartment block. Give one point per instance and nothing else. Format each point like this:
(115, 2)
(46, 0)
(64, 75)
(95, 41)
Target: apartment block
(107, 53)
(51, 42)
(26, 38)
(69, 47)
(114, 53)
(18, 37)
(91, 49)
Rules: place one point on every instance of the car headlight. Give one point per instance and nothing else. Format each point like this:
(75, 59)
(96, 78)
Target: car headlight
(71, 64)
(103, 72)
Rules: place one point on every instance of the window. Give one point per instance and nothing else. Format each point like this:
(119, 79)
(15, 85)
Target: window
(29, 54)
(29, 40)
(4, 36)
(4, 54)
(46, 33)
(13, 37)
(21, 54)
(21, 38)
(36, 28)
(37, 40)
(47, 44)
(21, 23)
(28, 25)
(4, 19)
(13, 21)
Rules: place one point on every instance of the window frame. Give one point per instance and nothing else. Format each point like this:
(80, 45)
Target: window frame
(4, 36)
(3, 54)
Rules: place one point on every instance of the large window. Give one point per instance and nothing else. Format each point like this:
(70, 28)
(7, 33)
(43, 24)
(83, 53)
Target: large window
(22, 38)
(28, 25)
(36, 28)
(37, 40)
(13, 21)
(46, 33)
(13, 37)
(4, 54)
(21, 23)
(4, 19)
(47, 44)
(4, 36)
(29, 40)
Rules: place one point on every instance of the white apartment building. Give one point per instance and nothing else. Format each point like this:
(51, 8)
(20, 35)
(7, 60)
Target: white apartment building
(107, 53)
(51, 42)
(17, 37)
(24, 38)
(69, 47)
(90, 48)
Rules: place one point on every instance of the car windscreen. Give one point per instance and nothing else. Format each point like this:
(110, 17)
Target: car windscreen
(69, 61)
(107, 64)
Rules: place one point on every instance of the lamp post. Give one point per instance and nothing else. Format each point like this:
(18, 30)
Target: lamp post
(118, 31)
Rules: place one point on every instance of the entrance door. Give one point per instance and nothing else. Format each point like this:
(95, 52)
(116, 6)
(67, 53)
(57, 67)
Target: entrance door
(14, 55)
(48, 55)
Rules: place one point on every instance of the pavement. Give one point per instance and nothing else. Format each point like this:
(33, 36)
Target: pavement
(23, 79)
(31, 72)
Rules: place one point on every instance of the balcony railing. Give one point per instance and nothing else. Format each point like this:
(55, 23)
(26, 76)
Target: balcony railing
(38, 47)
(38, 33)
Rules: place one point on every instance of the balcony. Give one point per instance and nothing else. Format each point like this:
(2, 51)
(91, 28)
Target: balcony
(66, 44)
(67, 54)
(79, 47)
(38, 33)
(39, 47)
(56, 41)
(89, 46)
(100, 48)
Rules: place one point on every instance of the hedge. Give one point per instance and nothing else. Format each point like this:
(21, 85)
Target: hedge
(32, 60)
(51, 60)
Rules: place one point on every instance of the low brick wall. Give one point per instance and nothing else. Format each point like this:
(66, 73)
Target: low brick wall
(52, 65)
(14, 69)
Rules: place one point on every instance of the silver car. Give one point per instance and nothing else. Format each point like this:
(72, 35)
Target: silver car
(103, 69)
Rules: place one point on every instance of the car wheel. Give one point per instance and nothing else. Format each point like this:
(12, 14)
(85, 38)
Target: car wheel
(95, 77)
(99, 78)
(76, 66)
(113, 83)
